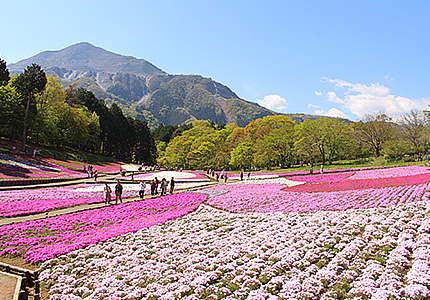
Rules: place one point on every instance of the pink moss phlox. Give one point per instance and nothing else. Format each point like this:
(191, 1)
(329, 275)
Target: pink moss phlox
(39, 240)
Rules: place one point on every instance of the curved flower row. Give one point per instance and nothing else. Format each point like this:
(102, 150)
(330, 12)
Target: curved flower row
(360, 184)
(39, 240)
(14, 173)
(24, 202)
(329, 177)
(381, 253)
(244, 198)
(391, 172)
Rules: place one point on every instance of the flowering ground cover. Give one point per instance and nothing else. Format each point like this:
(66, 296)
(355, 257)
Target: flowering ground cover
(360, 184)
(17, 168)
(270, 197)
(24, 202)
(23, 168)
(329, 177)
(380, 253)
(185, 175)
(336, 192)
(392, 172)
(332, 238)
(101, 167)
(39, 240)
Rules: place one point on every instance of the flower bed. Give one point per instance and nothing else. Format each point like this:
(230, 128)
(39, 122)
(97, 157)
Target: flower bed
(13, 168)
(329, 177)
(380, 253)
(39, 240)
(101, 167)
(392, 172)
(360, 184)
(245, 198)
(24, 202)
(185, 175)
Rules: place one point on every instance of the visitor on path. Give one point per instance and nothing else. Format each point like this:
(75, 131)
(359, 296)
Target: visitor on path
(225, 178)
(108, 192)
(95, 175)
(157, 182)
(241, 176)
(172, 185)
(152, 187)
(118, 192)
(217, 177)
(311, 170)
(322, 169)
(249, 175)
(142, 187)
(163, 186)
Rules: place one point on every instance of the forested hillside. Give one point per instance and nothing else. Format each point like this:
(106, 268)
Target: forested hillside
(37, 108)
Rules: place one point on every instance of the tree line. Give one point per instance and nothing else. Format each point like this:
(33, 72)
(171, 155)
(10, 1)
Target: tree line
(38, 109)
(277, 141)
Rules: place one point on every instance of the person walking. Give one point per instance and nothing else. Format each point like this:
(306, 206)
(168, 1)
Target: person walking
(225, 178)
(118, 192)
(95, 175)
(153, 187)
(108, 192)
(172, 185)
(241, 176)
(142, 187)
(157, 182)
(163, 186)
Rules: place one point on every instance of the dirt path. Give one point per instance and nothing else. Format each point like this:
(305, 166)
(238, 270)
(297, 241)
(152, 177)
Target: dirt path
(7, 286)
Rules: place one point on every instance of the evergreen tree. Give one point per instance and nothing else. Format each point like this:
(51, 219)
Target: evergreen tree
(4, 73)
(29, 84)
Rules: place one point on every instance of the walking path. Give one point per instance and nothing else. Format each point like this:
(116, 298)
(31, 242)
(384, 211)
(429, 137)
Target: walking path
(77, 208)
(9, 286)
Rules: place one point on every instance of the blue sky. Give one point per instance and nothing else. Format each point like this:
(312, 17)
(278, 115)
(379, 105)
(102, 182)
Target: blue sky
(337, 58)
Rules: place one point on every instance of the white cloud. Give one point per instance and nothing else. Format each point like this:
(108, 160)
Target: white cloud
(274, 102)
(363, 99)
(334, 112)
(318, 93)
(373, 89)
(332, 97)
(310, 105)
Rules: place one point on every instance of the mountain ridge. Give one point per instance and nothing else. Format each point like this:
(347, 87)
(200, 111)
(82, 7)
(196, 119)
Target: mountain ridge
(146, 92)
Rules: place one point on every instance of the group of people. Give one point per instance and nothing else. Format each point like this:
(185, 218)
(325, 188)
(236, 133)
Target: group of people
(163, 186)
(92, 173)
(142, 188)
(224, 175)
(118, 192)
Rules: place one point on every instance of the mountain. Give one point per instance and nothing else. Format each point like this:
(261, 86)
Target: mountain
(144, 91)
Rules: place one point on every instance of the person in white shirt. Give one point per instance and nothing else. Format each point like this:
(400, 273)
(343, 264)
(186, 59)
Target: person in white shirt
(142, 187)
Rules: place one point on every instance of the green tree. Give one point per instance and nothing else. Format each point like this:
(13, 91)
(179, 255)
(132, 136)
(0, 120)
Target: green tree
(242, 156)
(256, 130)
(29, 84)
(4, 73)
(277, 147)
(373, 131)
(414, 129)
(397, 149)
(11, 112)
